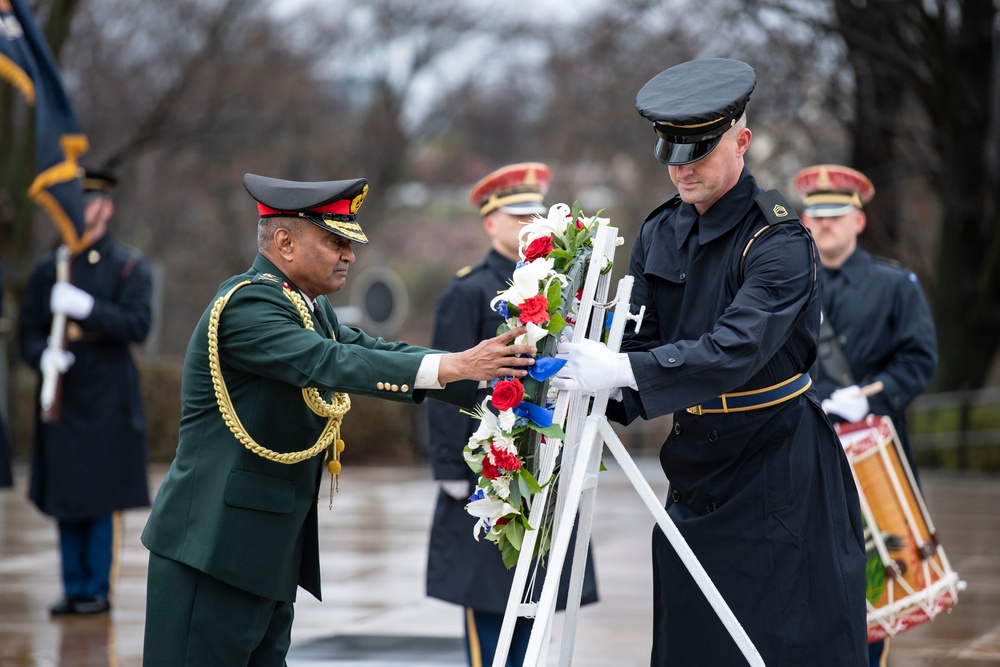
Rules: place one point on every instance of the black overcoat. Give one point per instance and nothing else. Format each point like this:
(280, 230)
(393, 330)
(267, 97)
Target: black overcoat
(764, 498)
(6, 468)
(459, 568)
(92, 461)
(885, 328)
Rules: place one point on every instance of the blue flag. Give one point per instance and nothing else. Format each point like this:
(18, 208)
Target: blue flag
(27, 62)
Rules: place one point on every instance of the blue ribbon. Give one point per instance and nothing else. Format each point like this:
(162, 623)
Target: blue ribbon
(545, 367)
(535, 413)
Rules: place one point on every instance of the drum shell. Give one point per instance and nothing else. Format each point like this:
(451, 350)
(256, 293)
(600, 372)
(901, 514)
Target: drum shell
(895, 515)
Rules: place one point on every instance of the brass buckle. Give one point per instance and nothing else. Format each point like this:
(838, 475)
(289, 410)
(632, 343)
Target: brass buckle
(695, 410)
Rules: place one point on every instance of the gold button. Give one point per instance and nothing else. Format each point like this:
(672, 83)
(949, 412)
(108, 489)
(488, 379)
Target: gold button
(405, 388)
(381, 385)
(93, 257)
(395, 387)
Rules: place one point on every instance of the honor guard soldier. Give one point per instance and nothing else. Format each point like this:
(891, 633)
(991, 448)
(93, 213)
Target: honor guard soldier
(461, 569)
(89, 463)
(877, 326)
(233, 529)
(760, 486)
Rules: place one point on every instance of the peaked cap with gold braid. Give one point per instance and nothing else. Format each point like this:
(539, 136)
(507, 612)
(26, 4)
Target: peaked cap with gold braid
(518, 189)
(692, 105)
(832, 190)
(332, 205)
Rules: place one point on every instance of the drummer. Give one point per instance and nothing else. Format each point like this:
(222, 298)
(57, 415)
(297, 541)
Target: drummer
(877, 325)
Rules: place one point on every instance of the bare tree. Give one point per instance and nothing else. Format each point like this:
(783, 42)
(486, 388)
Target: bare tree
(378, 55)
(925, 126)
(182, 98)
(400, 90)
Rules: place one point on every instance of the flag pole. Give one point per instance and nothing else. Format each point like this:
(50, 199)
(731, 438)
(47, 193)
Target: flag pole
(51, 377)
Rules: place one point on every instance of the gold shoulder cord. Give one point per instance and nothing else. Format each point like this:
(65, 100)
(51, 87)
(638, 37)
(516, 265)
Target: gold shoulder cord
(334, 410)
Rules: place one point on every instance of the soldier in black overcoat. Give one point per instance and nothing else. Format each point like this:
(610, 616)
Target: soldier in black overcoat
(461, 569)
(880, 328)
(90, 462)
(760, 487)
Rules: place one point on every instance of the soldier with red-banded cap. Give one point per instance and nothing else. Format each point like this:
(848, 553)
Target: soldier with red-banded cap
(760, 486)
(877, 324)
(233, 531)
(460, 569)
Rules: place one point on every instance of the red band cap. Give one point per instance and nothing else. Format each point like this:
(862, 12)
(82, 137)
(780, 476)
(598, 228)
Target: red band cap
(340, 207)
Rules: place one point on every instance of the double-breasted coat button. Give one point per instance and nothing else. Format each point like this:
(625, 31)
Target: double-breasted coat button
(711, 506)
(677, 428)
(395, 387)
(713, 435)
(405, 388)
(381, 385)
(675, 495)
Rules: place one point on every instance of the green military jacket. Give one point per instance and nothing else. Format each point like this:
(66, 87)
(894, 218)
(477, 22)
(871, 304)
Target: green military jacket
(229, 512)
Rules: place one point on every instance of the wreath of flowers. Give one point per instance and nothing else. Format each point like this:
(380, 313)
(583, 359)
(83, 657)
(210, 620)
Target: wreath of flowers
(544, 294)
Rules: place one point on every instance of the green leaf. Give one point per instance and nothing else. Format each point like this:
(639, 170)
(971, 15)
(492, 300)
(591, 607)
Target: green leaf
(529, 479)
(553, 430)
(524, 489)
(554, 294)
(874, 578)
(509, 555)
(515, 494)
(515, 533)
(556, 324)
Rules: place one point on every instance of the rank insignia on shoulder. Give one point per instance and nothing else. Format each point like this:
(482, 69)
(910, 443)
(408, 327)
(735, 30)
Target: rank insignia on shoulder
(270, 277)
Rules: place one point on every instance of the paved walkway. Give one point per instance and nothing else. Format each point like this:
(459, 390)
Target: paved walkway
(374, 543)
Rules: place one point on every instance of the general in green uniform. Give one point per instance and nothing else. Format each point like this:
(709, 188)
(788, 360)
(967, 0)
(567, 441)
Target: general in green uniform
(233, 529)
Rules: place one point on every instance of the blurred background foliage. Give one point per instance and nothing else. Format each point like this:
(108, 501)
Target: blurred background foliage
(423, 98)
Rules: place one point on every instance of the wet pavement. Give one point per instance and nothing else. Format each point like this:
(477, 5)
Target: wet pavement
(375, 614)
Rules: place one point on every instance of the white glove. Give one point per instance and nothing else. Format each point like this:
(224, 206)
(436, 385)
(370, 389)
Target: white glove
(591, 367)
(456, 488)
(848, 403)
(72, 301)
(56, 361)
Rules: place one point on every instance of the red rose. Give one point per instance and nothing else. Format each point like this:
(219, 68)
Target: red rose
(579, 223)
(489, 470)
(540, 247)
(504, 459)
(507, 394)
(535, 309)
